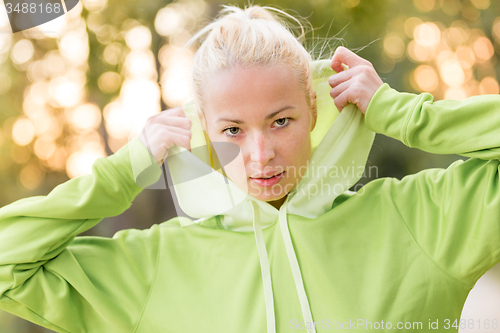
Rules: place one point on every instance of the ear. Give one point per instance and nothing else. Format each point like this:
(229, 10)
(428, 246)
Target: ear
(314, 107)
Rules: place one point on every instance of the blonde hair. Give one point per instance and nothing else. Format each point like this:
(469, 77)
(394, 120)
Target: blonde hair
(251, 36)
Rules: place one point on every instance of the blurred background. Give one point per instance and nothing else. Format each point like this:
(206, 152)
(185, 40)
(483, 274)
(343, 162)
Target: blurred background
(77, 88)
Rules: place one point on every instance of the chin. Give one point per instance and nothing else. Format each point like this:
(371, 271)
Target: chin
(269, 196)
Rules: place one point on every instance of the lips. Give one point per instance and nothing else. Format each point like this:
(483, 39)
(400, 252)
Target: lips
(269, 175)
(268, 182)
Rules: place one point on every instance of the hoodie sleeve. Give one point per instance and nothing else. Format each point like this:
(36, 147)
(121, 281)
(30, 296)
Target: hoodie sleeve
(78, 284)
(453, 214)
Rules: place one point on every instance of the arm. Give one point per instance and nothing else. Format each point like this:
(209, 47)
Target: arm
(68, 284)
(452, 214)
(469, 128)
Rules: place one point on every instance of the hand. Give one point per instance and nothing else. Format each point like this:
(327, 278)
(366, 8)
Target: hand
(165, 129)
(355, 85)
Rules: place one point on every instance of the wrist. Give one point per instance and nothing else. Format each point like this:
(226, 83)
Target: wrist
(146, 170)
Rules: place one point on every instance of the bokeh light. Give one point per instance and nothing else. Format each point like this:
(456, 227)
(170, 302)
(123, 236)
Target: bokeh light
(95, 5)
(495, 29)
(426, 78)
(23, 131)
(481, 4)
(22, 51)
(427, 34)
(394, 46)
(80, 163)
(455, 93)
(452, 73)
(410, 25)
(140, 64)
(168, 21)
(113, 53)
(448, 58)
(31, 176)
(67, 90)
(175, 78)
(109, 82)
(483, 49)
(44, 148)
(84, 117)
(419, 53)
(466, 57)
(106, 33)
(424, 5)
(489, 85)
(451, 7)
(74, 46)
(138, 37)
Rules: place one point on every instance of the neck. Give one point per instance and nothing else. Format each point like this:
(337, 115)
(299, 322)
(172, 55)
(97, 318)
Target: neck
(277, 203)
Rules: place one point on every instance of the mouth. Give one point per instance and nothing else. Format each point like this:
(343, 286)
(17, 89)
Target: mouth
(268, 181)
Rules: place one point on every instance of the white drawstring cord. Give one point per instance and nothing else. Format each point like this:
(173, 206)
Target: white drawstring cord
(264, 266)
(294, 265)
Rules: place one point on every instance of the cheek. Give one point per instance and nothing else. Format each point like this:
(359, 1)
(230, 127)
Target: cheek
(297, 146)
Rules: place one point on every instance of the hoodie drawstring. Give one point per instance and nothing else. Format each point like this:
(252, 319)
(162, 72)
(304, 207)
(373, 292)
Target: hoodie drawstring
(266, 274)
(294, 265)
(264, 268)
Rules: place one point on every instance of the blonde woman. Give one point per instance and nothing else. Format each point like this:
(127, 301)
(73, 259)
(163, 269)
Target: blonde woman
(277, 241)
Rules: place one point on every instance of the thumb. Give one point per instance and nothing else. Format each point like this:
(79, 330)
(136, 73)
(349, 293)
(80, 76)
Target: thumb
(343, 55)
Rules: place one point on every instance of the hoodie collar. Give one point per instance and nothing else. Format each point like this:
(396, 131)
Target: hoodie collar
(340, 144)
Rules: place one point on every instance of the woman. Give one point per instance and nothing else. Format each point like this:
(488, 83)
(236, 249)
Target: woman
(299, 251)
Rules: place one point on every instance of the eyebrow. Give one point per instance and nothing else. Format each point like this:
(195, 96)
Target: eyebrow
(269, 116)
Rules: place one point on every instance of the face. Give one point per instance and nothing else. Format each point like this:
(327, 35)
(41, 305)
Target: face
(264, 111)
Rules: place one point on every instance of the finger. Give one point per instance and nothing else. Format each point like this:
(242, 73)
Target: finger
(346, 56)
(167, 120)
(178, 111)
(337, 90)
(182, 140)
(167, 131)
(338, 78)
(175, 139)
(171, 133)
(175, 110)
(342, 100)
(178, 130)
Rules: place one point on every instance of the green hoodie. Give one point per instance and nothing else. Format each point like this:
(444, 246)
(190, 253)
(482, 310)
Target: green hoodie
(396, 252)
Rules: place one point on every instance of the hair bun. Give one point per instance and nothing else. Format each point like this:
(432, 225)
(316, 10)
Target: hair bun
(248, 13)
(258, 12)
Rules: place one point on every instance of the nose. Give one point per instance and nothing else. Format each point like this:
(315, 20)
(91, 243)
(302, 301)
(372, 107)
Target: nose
(261, 150)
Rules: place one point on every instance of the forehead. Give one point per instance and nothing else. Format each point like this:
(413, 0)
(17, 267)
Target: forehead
(258, 89)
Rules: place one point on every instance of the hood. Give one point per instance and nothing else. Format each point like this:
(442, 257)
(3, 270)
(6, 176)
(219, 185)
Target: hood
(340, 144)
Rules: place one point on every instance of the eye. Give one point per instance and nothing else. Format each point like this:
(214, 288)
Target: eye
(230, 128)
(283, 124)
